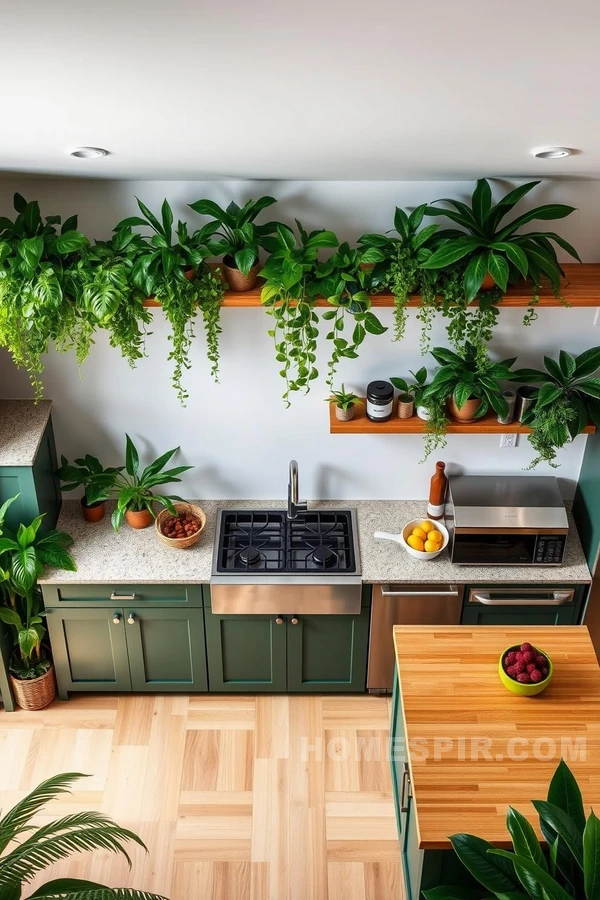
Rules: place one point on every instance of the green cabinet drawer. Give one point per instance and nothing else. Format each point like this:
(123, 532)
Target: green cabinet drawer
(245, 653)
(37, 486)
(150, 595)
(327, 653)
(166, 649)
(89, 650)
(520, 615)
(523, 604)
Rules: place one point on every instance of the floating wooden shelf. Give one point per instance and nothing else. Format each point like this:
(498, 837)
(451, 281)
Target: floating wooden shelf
(361, 425)
(581, 287)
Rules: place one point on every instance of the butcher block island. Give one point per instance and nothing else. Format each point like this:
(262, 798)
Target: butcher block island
(464, 748)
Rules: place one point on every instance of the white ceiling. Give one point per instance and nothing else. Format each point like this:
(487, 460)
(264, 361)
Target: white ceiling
(316, 89)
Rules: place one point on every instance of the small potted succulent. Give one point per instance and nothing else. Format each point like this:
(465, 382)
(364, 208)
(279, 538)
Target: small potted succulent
(88, 472)
(344, 404)
(23, 558)
(239, 239)
(134, 489)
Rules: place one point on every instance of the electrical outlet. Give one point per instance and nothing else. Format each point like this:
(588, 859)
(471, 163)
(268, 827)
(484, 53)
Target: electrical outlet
(509, 440)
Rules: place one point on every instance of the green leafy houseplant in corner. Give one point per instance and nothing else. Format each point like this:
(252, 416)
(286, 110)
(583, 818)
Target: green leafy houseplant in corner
(134, 489)
(36, 309)
(26, 850)
(88, 472)
(290, 273)
(569, 869)
(171, 268)
(567, 400)
(239, 238)
(345, 401)
(23, 558)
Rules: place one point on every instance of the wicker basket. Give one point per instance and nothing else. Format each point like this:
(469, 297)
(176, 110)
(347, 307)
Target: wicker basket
(186, 542)
(35, 693)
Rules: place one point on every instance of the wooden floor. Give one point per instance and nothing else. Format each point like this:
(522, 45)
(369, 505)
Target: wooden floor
(237, 798)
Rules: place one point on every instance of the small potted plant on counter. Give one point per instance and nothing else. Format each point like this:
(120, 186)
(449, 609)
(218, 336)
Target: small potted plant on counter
(567, 399)
(344, 404)
(23, 558)
(134, 490)
(239, 238)
(96, 481)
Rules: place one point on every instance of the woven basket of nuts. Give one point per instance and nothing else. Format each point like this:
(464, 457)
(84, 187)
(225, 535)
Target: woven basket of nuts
(183, 530)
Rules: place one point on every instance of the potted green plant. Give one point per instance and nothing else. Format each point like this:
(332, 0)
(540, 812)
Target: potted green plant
(23, 558)
(345, 401)
(134, 490)
(468, 386)
(566, 867)
(35, 307)
(412, 395)
(96, 481)
(239, 238)
(567, 399)
(171, 267)
(289, 272)
(28, 850)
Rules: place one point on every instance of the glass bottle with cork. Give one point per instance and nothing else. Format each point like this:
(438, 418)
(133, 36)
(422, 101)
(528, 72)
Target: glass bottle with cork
(437, 492)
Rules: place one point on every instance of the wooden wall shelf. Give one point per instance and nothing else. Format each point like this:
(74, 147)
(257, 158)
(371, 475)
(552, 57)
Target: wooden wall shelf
(581, 287)
(361, 425)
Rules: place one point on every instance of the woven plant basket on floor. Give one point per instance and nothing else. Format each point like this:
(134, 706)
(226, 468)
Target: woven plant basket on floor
(35, 693)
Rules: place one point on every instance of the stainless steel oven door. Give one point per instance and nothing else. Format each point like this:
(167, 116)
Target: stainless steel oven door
(238, 596)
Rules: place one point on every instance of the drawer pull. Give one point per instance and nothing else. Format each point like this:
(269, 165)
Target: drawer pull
(386, 592)
(115, 596)
(117, 618)
(131, 619)
(294, 620)
(405, 781)
(279, 620)
(521, 598)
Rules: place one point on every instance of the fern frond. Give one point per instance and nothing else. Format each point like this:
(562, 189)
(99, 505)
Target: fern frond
(17, 818)
(102, 894)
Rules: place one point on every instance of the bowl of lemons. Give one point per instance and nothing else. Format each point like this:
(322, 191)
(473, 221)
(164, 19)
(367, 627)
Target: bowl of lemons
(424, 539)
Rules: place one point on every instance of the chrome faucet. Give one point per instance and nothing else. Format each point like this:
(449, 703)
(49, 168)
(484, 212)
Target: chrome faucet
(294, 504)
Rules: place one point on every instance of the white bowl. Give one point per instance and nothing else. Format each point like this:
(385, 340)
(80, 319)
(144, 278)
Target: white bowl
(424, 555)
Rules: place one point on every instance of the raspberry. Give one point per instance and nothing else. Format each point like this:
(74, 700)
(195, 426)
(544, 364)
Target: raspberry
(519, 667)
(510, 658)
(545, 672)
(524, 678)
(531, 668)
(540, 660)
(526, 647)
(512, 671)
(528, 657)
(519, 656)
(536, 676)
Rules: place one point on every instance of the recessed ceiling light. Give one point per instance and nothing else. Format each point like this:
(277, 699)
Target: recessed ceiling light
(88, 152)
(551, 152)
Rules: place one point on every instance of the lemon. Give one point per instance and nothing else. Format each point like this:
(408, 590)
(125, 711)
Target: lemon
(418, 532)
(435, 536)
(426, 526)
(415, 542)
(431, 546)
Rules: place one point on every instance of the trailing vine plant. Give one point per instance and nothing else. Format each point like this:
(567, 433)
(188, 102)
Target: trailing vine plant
(36, 308)
(290, 272)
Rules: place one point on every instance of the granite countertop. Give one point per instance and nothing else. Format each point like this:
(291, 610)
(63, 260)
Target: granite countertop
(137, 557)
(22, 424)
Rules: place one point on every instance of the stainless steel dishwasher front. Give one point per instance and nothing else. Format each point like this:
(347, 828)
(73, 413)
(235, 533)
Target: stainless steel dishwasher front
(405, 604)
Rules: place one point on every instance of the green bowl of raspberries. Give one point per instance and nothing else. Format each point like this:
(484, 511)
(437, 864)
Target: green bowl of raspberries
(525, 670)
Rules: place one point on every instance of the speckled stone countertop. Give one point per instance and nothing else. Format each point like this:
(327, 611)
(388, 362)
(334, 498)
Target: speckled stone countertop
(137, 557)
(22, 424)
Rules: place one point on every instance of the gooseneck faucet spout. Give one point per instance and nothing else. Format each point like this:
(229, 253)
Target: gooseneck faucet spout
(295, 505)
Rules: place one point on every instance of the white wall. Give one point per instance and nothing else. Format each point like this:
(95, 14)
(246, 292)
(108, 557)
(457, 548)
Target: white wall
(237, 434)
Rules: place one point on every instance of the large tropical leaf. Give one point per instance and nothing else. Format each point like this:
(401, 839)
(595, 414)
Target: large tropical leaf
(526, 843)
(132, 459)
(585, 364)
(564, 825)
(474, 274)
(481, 201)
(100, 893)
(552, 888)
(591, 387)
(451, 251)
(510, 200)
(20, 815)
(515, 254)
(591, 857)
(547, 212)
(498, 269)
(497, 875)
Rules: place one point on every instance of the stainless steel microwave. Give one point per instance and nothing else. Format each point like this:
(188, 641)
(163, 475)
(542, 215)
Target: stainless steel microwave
(507, 520)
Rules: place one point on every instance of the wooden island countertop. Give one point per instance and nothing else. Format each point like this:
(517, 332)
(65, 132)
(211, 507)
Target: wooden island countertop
(451, 693)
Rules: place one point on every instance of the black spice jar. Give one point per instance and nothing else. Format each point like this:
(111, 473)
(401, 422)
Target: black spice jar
(380, 401)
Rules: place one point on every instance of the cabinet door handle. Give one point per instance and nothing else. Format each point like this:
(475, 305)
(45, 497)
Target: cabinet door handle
(131, 619)
(279, 620)
(294, 620)
(386, 592)
(521, 598)
(115, 596)
(117, 618)
(405, 781)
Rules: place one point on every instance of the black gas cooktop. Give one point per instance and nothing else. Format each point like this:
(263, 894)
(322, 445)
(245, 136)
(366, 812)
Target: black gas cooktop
(266, 541)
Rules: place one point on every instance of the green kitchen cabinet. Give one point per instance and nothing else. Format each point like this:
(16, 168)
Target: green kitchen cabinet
(89, 650)
(82, 596)
(245, 653)
(166, 649)
(327, 653)
(523, 604)
(37, 485)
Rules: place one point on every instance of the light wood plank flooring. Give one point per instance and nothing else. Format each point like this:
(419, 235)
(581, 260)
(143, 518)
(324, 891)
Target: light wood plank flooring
(252, 798)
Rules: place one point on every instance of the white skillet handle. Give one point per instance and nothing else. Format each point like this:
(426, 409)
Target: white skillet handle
(386, 536)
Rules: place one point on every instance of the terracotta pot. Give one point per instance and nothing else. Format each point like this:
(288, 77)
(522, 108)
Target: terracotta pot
(236, 280)
(344, 415)
(406, 406)
(488, 283)
(139, 518)
(468, 410)
(35, 693)
(93, 513)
